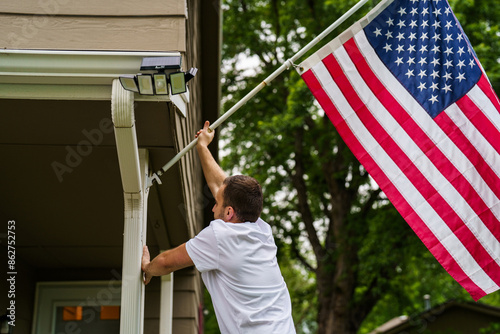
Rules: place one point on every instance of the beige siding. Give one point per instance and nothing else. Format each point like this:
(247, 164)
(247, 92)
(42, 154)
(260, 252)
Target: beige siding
(185, 326)
(95, 7)
(93, 33)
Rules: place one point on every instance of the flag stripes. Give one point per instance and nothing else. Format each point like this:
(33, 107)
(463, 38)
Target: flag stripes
(480, 121)
(431, 169)
(413, 171)
(456, 177)
(467, 139)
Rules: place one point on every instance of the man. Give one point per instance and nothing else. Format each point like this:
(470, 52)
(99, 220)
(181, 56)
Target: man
(236, 255)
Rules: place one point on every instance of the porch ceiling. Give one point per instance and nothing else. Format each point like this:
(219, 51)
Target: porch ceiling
(61, 181)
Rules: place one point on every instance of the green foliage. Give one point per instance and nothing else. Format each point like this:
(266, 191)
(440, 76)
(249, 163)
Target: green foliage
(209, 319)
(494, 328)
(282, 138)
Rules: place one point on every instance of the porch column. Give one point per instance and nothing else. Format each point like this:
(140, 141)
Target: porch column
(166, 303)
(133, 169)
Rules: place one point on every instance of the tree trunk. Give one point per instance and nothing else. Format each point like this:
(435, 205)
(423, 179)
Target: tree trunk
(335, 293)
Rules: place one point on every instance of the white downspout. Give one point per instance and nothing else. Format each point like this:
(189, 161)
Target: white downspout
(166, 303)
(134, 170)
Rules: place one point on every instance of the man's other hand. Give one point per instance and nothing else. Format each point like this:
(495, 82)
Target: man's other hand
(146, 259)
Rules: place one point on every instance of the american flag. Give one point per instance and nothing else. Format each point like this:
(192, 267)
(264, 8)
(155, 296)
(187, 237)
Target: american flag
(407, 94)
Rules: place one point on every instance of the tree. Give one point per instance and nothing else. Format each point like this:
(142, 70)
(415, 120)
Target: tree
(330, 221)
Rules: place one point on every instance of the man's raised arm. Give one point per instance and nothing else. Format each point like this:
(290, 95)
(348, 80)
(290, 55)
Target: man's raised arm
(214, 175)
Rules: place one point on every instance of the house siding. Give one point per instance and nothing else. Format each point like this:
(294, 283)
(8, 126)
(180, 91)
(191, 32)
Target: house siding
(111, 25)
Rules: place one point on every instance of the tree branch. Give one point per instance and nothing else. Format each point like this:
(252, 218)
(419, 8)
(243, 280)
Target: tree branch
(301, 258)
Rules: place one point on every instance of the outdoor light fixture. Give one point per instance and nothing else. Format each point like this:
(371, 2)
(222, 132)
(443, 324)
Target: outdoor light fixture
(145, 82)
(191, 73)
(177, 83)
(129, 83)
(161, 63)
(161, 83)
(157, 74)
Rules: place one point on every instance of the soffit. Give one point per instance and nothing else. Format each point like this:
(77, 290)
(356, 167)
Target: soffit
(61, 181)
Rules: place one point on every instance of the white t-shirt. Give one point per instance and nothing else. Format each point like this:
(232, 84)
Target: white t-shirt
(239, 268)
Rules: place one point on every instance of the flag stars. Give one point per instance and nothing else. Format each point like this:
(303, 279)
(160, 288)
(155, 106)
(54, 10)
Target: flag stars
(410, 74)
(421, 86)
(447, 88)
(433, 99)
(422, 45)
(436, 49)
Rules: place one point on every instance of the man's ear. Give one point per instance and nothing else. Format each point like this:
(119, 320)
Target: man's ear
(229, 213)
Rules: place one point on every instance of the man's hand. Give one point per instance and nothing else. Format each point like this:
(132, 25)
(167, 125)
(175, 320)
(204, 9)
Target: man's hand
(146, 260)
(205, 135)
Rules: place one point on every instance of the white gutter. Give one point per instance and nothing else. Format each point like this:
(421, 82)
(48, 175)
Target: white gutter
(134, 173)
(72, 75)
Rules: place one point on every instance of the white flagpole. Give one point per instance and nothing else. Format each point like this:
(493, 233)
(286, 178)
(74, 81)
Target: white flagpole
(289, 63)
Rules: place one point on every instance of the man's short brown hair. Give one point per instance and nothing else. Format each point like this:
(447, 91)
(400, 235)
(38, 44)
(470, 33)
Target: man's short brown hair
(244, 195)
